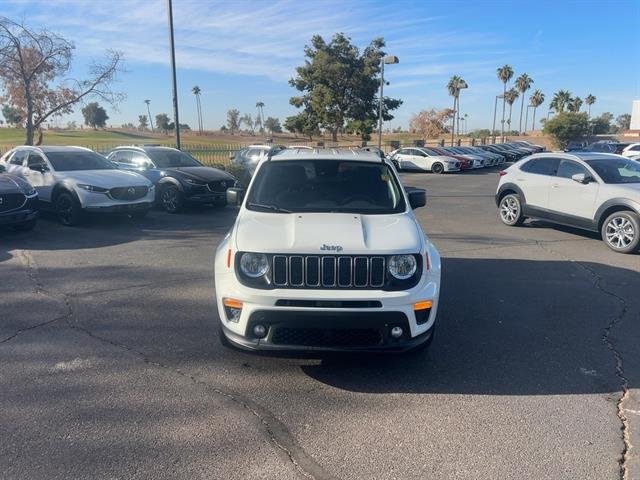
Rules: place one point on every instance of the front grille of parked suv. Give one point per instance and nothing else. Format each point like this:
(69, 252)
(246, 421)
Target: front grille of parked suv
(11, 201)
(355, 272)
(128, 193)
(219, 186)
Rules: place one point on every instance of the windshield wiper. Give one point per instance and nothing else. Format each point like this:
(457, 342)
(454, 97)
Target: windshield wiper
(273, 208)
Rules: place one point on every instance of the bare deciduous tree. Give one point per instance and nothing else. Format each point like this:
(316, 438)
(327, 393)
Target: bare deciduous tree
(430, 124)
(33, 65)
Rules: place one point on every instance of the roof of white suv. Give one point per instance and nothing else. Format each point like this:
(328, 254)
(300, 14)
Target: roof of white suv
(53, 148)
(574, 155)
(324, 154)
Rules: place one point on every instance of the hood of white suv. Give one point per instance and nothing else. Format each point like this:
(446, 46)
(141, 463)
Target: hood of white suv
(326, 233)
(105, 178)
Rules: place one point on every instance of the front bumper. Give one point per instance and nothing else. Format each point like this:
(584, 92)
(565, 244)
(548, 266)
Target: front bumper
(209, 197)
(328, 319)
(17, 217)
(120, 208)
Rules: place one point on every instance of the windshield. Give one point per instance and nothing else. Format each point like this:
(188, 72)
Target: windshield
(78, 160)
(616, 170)
(326, 186)
(172, 158)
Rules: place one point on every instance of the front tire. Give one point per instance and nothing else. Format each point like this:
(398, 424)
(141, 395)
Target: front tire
(171, 199)
(621, 232)
(437, 168)
(510, 210)
(68, 209)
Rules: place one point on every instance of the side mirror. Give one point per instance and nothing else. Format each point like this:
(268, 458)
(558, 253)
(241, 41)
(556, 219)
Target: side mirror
(39, 168)
(417, 197)
(235, 195)
(2, 168)
(581, 178)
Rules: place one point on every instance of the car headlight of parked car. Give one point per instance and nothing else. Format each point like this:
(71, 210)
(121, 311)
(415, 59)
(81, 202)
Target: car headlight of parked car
(254, 265)
(92, 188)
(402, 267)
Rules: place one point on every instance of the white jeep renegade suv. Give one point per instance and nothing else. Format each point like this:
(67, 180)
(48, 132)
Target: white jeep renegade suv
(326, 254)
(593, 191)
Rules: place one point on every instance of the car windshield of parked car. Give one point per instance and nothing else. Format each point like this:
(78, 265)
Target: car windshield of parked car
(78, 160)
(172, 159)
(616, 170)
(326, 186)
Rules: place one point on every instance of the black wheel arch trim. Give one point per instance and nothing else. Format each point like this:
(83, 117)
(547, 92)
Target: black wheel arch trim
(170, 180)
(511, 187)
(64, 187)
(623, 203)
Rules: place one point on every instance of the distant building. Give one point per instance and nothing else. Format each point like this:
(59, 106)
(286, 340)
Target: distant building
(635, 116)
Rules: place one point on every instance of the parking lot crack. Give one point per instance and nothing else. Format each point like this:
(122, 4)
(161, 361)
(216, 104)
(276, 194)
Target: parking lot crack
(31, 269)
(618, 361)
(276, 431)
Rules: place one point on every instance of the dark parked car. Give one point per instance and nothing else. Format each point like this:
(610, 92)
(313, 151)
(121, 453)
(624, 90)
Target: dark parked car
(18, 202)
(179, 178)
(606, 147)
(575, 146)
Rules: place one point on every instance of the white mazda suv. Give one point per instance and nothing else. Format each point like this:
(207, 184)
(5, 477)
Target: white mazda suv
(73, 181)
(593, 191)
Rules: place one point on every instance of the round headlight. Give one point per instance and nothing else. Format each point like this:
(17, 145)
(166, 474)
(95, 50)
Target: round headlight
(254, 265)
(402, 266)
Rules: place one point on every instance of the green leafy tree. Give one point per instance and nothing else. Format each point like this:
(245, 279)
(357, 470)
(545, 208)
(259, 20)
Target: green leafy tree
(589, 100)
(13, 116)
(143, 123)
(94, 115)
(504, 73)
(163, 123)
(535, 100)
(363, 128)
(522, 83)
(339, 84)
(566, 127)
(623, 122)
(304, 123)
(602, 124)
(233, 120)
(273, 125)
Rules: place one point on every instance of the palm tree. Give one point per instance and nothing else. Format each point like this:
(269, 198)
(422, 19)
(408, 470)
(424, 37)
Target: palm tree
(196, 91)
(510, 97)
(454, 86)
(560, 100)
(260, 106)
(574, 105)
(504, 75)
(523, 83)
(589, 100)
(536, 99)
(149, 112)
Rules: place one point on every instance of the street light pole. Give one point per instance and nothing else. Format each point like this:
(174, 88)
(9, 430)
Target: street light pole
(389, 59)
(549, 113)
(173, 74)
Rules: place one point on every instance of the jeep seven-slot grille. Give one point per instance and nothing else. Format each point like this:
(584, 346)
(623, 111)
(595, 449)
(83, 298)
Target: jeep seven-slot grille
(310, 271)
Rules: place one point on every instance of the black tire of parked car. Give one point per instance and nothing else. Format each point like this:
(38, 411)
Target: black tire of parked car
(171, 199)
(510, 210)
(620, 219)
(26, 226)
(437, 168)
(67, 209)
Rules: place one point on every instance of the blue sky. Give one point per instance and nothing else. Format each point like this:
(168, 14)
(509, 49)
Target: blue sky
(241, 51)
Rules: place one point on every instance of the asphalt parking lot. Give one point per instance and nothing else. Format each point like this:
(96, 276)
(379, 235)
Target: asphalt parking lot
(111, 365)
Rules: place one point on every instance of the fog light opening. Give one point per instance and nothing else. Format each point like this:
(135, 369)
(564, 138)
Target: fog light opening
(396, 332)
(259, 331)
(232, 309)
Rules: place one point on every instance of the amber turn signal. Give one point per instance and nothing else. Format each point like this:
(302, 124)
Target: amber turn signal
(232, 303)
(423, 305)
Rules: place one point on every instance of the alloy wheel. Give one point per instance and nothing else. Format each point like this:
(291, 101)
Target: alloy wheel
(509, 209)
(64, 209)
(619, 232)
(170, 199)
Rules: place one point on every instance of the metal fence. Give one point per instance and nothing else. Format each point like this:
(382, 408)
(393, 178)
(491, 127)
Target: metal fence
(220, 154)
